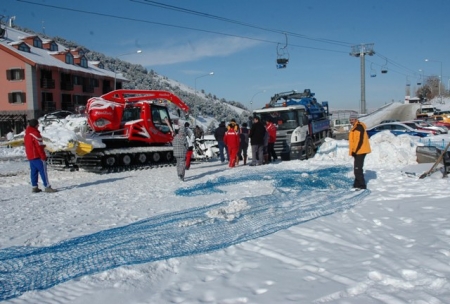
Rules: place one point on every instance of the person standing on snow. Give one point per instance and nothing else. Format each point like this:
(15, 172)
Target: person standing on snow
(180, 147)
(190, 139)
(243, 146)
(272, 131)
(34, 149)
(359, 147)
(219, 133)
(231, 140)
(10, 136)
(257, 133)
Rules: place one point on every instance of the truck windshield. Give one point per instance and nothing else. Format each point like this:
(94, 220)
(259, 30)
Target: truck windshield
(284, 120)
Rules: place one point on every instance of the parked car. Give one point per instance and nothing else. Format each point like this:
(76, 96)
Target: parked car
(389, 120)
(430, 126)
(397, 128)
(413, 124)
(440, 120)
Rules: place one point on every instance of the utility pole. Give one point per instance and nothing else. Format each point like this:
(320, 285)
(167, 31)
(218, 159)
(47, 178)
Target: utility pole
(361, 51)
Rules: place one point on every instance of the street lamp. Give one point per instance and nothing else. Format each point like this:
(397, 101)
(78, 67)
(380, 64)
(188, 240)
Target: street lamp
(440, 78)
(251, 100)
(115, 71)
(195, 91)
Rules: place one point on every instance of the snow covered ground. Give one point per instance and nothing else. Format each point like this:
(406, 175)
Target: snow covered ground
(289, 232)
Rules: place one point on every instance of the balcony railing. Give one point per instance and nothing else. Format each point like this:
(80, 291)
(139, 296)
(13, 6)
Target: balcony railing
(66, 86)
(47, 83)
(48, 106)
(88, 88)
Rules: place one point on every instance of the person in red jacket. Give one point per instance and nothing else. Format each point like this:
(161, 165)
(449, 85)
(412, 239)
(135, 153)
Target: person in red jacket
(232, 141)
(272, 130)
(34, 149)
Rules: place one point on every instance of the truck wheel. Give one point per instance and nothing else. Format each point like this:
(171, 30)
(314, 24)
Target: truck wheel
(126, 159)
(156, 157)
(169, 156)
(110, 161)
(141, 158)
(309, 149)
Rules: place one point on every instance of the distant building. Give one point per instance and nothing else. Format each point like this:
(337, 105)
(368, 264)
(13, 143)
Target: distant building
(409, 99)
(41, 76)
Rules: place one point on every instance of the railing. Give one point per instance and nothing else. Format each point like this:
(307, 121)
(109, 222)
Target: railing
(88, 88)
(47, 83)
(439, 143)
(66, 86)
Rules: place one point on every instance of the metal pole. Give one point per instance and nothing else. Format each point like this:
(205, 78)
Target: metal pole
(195, 91)
(115, 72)
(440, 81)
(251, 100)
(361, 51)
(363, 82)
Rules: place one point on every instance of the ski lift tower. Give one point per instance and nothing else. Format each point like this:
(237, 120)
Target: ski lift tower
(362, 50)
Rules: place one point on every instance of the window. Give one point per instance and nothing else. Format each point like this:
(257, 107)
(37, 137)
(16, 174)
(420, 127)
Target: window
(16, 97)
(69, 58)
(24, 47)
(77, 80)
(37, 42)
(53, 47)
(84, 62)
(130, 114)
(15, 74)
(66, 102)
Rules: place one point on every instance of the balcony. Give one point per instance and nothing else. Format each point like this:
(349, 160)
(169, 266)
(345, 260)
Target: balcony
(47, 83)
(88, 88)
(48, 106)
(67, 86)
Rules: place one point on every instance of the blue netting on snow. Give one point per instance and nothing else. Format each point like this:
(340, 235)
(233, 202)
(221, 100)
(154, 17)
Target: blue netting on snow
(299, 197)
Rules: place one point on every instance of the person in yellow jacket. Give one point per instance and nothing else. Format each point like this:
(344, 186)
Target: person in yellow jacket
(359, 147)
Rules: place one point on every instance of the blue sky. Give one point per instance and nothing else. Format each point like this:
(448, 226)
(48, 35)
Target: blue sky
(239, 40)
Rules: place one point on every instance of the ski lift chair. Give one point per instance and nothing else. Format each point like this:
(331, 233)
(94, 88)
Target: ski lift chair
(282, 63)
(283, 55)
(384, 68)
(373, 72)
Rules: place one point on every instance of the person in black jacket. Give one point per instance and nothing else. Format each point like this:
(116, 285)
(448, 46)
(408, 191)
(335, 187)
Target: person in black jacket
(219, 133)
(257, 133)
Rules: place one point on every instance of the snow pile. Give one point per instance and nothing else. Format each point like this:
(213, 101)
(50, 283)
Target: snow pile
(387, 150)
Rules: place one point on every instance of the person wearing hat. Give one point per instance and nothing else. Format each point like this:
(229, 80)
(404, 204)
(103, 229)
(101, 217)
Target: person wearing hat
(34, 149)
(180, 147)
(359, 147)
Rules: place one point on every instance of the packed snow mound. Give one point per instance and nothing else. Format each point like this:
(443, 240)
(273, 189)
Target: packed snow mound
(387, 150)
(58, 134)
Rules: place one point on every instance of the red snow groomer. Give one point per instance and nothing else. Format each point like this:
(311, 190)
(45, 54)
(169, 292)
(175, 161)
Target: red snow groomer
(133, 128)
